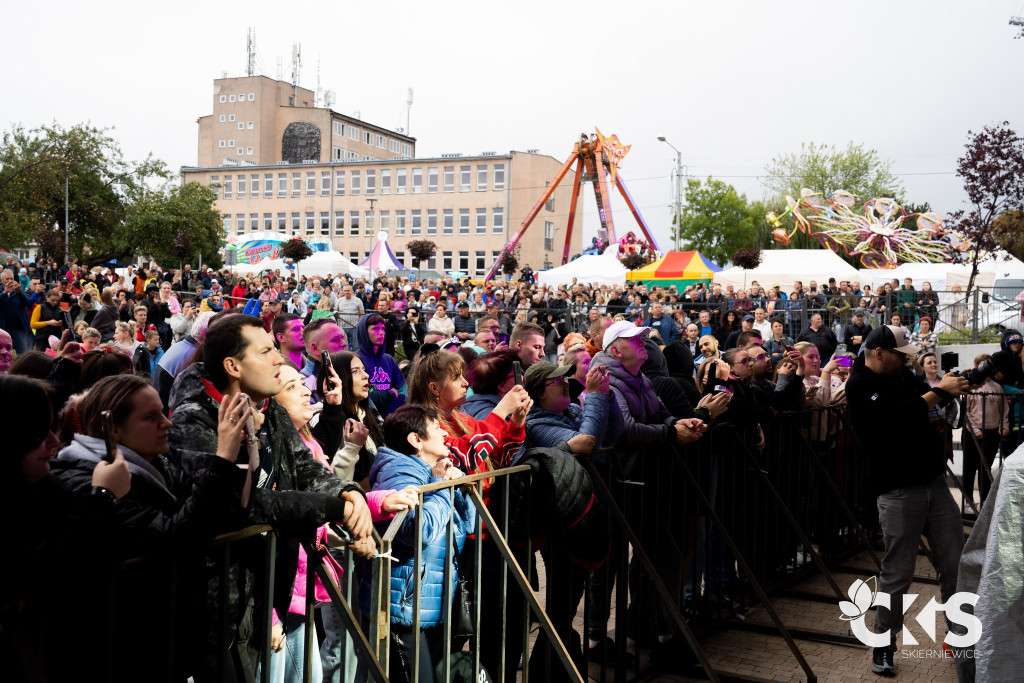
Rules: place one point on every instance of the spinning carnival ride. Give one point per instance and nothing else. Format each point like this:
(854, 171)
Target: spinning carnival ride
(883, 234)
(597, 159)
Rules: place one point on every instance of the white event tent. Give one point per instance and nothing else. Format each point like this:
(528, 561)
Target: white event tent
(604, 270)
(784, 266)
(333, 262)
(943, 276)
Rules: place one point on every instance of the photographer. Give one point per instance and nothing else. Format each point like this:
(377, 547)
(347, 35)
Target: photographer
(907, 468)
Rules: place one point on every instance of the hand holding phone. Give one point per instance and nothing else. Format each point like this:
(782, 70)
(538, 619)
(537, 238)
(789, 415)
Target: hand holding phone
(324, 381)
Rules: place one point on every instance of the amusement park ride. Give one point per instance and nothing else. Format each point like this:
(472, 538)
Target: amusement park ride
(597, 159)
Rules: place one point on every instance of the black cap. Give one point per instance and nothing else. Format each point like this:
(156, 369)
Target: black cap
(891, 338)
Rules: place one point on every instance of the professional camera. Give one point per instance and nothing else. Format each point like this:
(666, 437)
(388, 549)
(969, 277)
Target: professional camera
(978, 375)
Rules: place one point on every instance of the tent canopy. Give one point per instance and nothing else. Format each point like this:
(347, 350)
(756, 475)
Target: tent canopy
(943, 276)
(784, 266)
(604, 270)
(381, 258)
(679, 268)
(333, 262)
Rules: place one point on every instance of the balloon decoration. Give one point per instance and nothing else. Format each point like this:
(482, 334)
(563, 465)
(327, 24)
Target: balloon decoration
(880, 232)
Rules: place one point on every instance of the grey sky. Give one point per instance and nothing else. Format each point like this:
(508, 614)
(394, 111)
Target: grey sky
(731, 84)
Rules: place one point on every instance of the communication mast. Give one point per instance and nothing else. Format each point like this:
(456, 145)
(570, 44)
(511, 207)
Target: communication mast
(251, 50)
(296, 67)
(408, 109)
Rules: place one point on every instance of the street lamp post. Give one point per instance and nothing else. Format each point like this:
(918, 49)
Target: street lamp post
(369, 225)
(67, 253)
(679, 188)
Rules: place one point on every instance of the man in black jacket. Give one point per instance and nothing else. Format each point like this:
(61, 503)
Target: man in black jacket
(906, 466)
(821, 336)
(289, 489)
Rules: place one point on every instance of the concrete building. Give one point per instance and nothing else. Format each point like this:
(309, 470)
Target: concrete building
(278, 163)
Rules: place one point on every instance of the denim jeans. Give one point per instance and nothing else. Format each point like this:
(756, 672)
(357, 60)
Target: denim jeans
(286, 665)
(905, 515)
(337, 652)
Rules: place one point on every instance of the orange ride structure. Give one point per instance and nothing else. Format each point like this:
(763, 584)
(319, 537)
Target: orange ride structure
(597, 160)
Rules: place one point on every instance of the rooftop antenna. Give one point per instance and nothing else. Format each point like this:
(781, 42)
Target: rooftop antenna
(296, 67)
(319, 91)
(251, 49)
(408, 108)
(280, 68)
(1017, 21)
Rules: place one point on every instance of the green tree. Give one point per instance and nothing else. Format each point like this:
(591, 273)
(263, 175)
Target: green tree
(101, 186)
(824, 168)
(172, 223)
(717, 220)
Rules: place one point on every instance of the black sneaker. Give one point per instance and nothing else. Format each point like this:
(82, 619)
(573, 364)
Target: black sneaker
(605, 652)
(882, 661)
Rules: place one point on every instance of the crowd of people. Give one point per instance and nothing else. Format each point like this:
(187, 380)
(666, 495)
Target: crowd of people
(313, 402)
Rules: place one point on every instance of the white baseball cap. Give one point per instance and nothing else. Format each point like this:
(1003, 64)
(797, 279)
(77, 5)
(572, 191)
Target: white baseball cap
(621, 330)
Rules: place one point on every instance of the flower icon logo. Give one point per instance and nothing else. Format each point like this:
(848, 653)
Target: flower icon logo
(862, 594)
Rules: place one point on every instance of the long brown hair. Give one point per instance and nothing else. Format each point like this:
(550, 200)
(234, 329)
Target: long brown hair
(342, 362)
(439, 366)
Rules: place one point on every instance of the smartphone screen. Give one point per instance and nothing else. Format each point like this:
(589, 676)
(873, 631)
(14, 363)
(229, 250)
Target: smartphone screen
(517, 369)
(844, 361)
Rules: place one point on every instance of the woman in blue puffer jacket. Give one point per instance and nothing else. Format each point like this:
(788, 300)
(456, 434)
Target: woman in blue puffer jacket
(416, 455)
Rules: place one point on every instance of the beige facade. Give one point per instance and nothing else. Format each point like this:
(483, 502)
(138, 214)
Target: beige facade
(470, 207)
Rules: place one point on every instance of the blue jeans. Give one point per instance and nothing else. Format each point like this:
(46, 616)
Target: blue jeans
(905, 515)
(286, 665)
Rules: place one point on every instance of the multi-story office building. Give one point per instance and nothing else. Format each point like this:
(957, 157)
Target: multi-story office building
(280, 164)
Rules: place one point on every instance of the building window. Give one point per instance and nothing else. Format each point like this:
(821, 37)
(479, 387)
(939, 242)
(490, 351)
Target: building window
(310, 184)
(339, 182)
(549, 235)
(252, 97)
(268, 184)
(240, 151)
(449, 179)
(549, 205)
(449, 221)
(231, 143)
(282, 184)
(499, 176)
(249, 125)
(223, 118)
(431, 180)
(228, 184)
(296, 184)
(356, 185)
(339, 223)
(417, 222)
(498, 220)
(223, 99)
(446, 261)
(221, 144)
(353, 256)
(254, 222)
(325, 223)
(310, 222)
(400, 257)
(282, 222)
(240, 223)
(394, 147)
(400, 222)
(368, 138)
(382, 142)
(371, 182)
(463, 261)
(241, 186)
(325, 183)
(339, 128)
(226, 222)
(353, 224)
(385, 220)
(481, 177)
(400, 180)
(241, 125)
(406, 150)
(231, 118)
(337, 154)
(353, 133)
(481, 262)
(368, 228)
(463, 221)
(385, 181)
(254, 185)
(465, 175)
(231, 98)
(295, 222)
(481, 221)
(431, 221)
(215, 185)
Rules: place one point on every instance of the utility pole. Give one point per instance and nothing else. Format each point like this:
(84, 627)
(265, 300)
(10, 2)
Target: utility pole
(679, 188)
(67, 252)
(369, 225)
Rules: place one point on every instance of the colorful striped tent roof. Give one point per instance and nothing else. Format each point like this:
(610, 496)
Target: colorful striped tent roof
(381, 258)
(680, 267)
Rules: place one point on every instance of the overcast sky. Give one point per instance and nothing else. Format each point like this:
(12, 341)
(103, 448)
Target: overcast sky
(731, 84)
